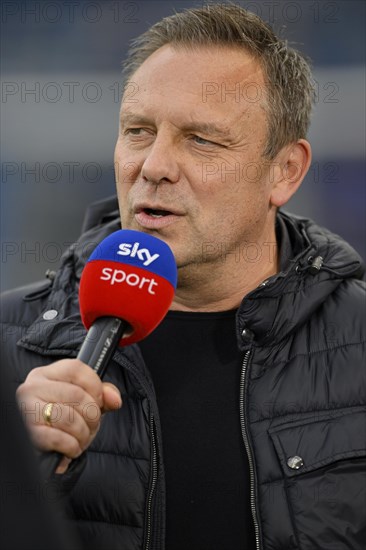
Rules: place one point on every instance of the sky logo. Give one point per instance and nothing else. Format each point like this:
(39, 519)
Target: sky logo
(134, 250)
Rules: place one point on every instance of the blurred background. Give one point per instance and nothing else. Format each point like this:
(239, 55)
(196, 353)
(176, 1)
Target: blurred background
(61, 89)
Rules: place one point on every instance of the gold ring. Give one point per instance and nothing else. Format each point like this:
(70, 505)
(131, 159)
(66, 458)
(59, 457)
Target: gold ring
(47, 413)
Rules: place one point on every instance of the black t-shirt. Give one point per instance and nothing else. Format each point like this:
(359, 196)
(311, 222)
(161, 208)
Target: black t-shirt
(196, 365)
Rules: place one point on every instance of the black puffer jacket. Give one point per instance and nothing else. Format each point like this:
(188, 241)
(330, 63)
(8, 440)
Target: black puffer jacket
(302, 395)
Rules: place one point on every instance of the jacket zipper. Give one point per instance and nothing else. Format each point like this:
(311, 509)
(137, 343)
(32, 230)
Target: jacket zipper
(243, 424)
(154, 478)
(154, 455)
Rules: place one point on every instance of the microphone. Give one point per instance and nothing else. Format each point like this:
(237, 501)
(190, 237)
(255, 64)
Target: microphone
(126, 289)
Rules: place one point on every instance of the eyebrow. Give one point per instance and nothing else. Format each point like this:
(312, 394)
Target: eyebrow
(208, 128)
(130, 118)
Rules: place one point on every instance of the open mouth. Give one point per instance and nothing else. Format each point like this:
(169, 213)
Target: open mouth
(155, 218)
(156, 213)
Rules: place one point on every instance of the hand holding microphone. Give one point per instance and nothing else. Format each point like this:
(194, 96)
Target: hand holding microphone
(125, 291)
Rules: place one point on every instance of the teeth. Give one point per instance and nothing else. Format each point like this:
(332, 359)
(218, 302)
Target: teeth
(156, 213)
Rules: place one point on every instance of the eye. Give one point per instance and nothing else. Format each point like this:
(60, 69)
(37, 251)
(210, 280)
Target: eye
(137, 134)
(134, 131)
(202, 141)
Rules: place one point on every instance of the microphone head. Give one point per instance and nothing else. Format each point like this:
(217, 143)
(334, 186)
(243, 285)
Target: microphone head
(132, 276)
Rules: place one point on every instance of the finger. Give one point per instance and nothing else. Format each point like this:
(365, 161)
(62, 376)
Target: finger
(111, 397)
(81, 425)
(64, 419)
(64, 430)
(71, 371)
(70, 436)
(35, 394)
(47, 438)
(63, 465)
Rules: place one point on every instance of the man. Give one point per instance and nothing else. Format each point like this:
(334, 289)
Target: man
(242, 423)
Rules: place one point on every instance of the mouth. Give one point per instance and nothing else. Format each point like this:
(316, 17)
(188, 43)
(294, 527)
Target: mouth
(157, 212)
(155, 217)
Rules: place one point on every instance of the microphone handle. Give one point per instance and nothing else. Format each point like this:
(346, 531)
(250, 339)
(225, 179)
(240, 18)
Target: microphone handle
(101, 341)
(98, 347)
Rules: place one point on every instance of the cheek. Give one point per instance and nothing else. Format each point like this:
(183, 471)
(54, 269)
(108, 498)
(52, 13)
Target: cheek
(126, 168)
(236, 206)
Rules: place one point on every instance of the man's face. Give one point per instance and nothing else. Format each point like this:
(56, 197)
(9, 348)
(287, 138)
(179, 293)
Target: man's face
(188, 158)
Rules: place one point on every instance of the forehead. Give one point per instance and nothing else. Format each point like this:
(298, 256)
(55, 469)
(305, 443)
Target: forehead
(209, 76)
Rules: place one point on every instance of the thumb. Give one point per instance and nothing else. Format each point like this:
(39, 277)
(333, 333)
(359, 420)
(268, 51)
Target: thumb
(111, 397)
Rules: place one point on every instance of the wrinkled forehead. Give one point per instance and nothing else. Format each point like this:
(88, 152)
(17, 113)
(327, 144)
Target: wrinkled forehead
(213, 74)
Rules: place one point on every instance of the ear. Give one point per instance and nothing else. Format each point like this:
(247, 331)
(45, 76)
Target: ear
(292, 162)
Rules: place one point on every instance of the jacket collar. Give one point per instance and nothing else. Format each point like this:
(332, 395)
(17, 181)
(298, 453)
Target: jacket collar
(288, 299)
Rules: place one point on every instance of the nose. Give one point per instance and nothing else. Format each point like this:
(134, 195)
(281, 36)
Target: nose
(161, 163)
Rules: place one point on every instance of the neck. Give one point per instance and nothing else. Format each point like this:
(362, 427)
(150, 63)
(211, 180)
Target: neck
(223, 286)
